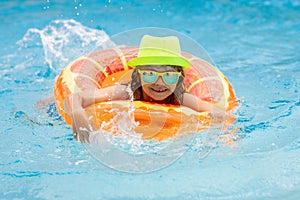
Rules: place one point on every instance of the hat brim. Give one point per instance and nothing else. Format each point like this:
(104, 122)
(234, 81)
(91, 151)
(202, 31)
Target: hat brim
(159, 60)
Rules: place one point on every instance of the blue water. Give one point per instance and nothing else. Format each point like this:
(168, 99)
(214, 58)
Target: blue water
(254, 43)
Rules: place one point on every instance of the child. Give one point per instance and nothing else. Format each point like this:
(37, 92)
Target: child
(157, 77)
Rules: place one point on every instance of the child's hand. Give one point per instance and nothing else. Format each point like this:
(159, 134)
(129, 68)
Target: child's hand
(80, 125)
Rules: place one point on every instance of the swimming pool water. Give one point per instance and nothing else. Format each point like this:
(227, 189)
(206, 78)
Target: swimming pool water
(254, 43)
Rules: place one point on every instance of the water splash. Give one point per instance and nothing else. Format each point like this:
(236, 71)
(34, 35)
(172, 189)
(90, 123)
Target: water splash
(64, 40)
(127, 139)
(118, 139)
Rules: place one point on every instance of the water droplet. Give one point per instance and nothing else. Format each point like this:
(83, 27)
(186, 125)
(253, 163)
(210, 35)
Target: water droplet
(273, 144)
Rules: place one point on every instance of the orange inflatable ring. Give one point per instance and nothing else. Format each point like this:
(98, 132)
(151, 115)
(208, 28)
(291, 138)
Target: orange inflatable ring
(108, 67)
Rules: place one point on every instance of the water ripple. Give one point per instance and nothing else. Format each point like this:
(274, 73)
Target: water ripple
(23, 174)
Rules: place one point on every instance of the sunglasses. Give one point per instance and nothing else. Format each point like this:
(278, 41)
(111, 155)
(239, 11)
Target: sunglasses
(149, 76)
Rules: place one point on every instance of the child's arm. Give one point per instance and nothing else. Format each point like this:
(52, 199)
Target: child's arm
(90, 97)
(199, 105)
(76, 103)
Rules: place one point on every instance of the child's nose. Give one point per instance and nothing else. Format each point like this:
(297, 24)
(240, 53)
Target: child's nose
(160, 81)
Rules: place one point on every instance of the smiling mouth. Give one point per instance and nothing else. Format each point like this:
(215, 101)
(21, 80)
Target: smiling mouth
(159, 90)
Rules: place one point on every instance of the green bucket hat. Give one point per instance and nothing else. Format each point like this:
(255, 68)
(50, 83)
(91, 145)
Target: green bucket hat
(159, 51)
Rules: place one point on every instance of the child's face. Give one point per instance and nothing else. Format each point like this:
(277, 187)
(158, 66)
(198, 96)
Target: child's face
(159, 90)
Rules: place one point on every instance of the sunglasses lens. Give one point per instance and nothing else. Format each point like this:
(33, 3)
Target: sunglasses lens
(149, 77)
(171, 78)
